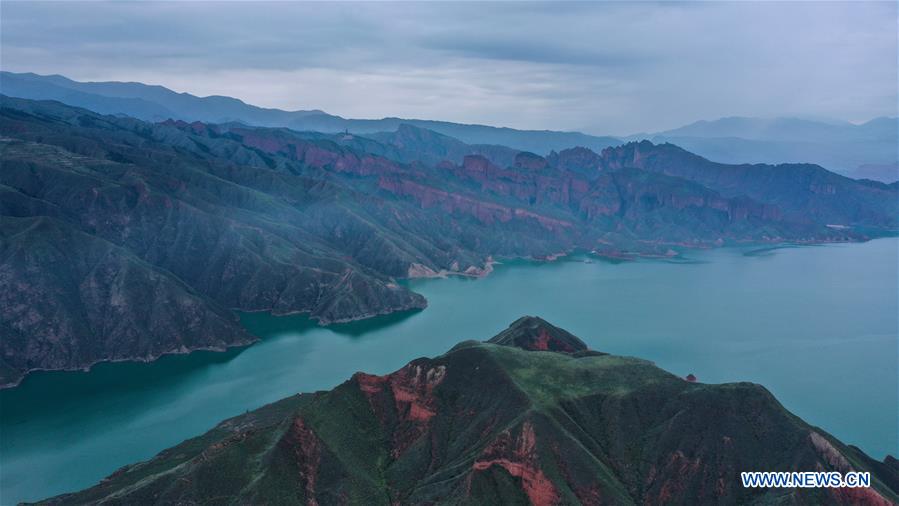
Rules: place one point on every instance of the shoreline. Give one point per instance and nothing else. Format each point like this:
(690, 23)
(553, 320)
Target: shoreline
(489, 263)
(312, 346)
(136, 360)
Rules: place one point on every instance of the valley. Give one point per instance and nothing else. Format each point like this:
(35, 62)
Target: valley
(449, 253)
(103, 215)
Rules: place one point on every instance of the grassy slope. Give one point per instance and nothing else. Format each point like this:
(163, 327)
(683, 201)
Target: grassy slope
(616, 427)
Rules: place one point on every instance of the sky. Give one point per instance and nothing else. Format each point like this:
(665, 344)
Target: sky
(598, 67)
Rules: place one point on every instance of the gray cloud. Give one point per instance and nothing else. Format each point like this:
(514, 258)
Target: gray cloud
(601, 67)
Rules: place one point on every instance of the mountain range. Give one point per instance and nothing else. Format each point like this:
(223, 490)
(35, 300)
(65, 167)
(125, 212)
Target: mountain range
(529, 417)
(104, 216)
(156, 103)
(869, 150)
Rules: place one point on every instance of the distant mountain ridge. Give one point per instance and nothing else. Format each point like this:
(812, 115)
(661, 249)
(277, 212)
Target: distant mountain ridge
(143, 101)
(868, 150)
(530, 417)
(156, 103)
(790, 129)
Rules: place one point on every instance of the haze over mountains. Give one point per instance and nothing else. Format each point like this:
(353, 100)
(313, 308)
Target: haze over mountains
(104, 216)
(869, 150)
(156, 103)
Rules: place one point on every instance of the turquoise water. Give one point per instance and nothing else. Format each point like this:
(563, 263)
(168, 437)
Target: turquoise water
(816, 325)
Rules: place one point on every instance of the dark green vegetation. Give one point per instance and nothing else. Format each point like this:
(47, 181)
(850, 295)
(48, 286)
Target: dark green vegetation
(127, 239)
(503, 422)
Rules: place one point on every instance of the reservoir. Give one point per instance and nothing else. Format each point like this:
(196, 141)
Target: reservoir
(817, 325)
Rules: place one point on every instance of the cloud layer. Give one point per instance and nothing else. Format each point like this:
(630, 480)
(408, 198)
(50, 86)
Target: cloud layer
(599, 67)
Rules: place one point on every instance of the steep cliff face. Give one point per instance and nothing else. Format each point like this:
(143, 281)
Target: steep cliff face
(629, 206)
(579, 160)
(414, 144)
(801, 191)
(614, 198)
(503, 423)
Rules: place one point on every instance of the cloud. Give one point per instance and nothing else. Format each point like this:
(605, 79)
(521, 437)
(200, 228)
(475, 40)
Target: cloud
(603, 67)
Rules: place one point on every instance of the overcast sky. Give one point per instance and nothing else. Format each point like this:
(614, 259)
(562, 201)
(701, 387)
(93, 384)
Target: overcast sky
(604, 68)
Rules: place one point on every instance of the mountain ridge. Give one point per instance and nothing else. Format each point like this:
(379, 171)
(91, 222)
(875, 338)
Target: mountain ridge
(493, 423)
(189, 107)
(270, 219)
(867, 150)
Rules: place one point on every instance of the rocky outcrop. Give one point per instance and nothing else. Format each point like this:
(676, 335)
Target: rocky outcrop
(536, 334)
(484, 211)
(529, 161)
(801, 192)
(504, 422)
(579, 160)
(415, 144)
(403, 402)
(517, 456)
